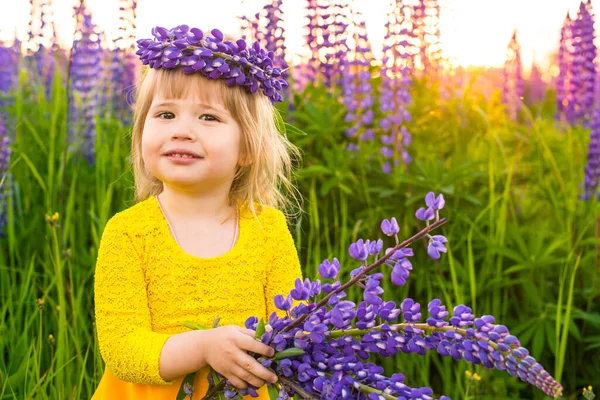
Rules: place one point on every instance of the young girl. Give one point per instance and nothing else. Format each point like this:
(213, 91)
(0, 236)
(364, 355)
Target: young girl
(205, 238)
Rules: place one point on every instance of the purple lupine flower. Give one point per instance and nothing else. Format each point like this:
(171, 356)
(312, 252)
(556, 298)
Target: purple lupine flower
(359, 250)
(271, 36)
(333, 26)
(433, 202)
(394, 90)
(589, 51)
(418, 28)
(329, 270)
(581, 88)
(42, 42)
(267, 28)
(356, 86)
(5, 190)
(400, 273)
(512, 93)
(425, 214)
(274, 33)
(437, 313)
(5, 150)
(9, 63)
(565, 67)
(45, 65)
(390, 227)
(123, 64)
(84, 76)
(326, 39)
(373, 289)
(283, 303)
(436, 245)
(536, 85)
(323, 346)
(250, 67)
(591, 183)
(374, 246)
(425, 36)
(311, 38)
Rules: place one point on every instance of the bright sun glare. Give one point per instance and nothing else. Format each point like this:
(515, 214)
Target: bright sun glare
(473, 32)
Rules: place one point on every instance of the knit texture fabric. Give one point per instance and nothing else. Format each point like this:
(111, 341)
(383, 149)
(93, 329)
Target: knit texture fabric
(146, 285)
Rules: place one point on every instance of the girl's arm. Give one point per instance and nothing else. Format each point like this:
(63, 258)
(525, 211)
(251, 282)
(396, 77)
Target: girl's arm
(177, 360)
(129, 347)
(224, 348)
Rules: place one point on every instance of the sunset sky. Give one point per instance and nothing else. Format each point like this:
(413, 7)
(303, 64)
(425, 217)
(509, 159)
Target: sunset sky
(473, 32)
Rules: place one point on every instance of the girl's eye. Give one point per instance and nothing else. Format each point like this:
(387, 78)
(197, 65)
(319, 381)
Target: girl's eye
(211, 117)
(170, 115)
(164, 113)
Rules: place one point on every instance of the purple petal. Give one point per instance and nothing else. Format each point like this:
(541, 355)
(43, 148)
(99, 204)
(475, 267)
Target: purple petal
(430, 200)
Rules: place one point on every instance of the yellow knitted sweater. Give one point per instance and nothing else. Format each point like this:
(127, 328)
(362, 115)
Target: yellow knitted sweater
(146, 285)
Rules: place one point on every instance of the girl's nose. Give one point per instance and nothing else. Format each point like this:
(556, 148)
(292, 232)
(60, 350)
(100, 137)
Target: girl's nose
(182, 132)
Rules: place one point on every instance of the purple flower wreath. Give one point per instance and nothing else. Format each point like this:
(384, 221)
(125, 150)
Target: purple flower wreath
(321, 344)
(191, 49)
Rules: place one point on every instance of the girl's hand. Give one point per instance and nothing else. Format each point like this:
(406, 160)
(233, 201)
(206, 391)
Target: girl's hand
(225, 350)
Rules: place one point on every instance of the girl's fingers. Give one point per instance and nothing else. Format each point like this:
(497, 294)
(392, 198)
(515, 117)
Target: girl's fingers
(253, 345)
(247, 377)
(248, 332)
(237, 382)
(251, 366)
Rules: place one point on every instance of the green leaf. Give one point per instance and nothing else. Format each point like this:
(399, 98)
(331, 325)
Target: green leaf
(537, 345)
(189, 379)
(260, 329)
(292, 352)
(314, 170)
(594, 343)
(551, 336)
(34, 171)
(193, 325)
(273, 392)
(328, 185)
(293, 129)
(280, 124)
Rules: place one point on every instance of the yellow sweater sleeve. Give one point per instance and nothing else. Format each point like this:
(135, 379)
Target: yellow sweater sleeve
(284, 265)
(129, 347)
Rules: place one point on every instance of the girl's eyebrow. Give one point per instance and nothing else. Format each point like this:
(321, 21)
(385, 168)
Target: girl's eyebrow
(204, 106)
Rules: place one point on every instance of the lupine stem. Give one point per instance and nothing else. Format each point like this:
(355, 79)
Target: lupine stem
(305, 395)
(365, 271)
(367, 389)
(395, 327)
(215, 389)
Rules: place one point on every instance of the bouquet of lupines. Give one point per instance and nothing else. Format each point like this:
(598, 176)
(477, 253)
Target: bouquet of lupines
(323, 343)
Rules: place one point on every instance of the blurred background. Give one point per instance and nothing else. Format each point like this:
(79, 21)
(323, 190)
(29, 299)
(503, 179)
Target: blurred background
(492, 103)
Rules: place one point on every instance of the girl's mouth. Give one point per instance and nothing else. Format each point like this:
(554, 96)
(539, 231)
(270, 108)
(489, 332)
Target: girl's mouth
(182, 158)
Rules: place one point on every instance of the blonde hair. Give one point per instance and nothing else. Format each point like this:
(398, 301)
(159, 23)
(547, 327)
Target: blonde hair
(264, 175)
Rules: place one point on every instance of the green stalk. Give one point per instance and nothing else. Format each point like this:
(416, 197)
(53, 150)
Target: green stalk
(62, 347)
(560, 356)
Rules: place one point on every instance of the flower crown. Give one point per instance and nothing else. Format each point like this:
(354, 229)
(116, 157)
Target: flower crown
(250, 67)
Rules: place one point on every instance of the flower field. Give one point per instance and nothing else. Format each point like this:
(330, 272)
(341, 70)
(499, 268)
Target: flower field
(515, 156)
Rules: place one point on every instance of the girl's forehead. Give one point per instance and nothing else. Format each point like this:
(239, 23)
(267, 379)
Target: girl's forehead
(178, 86)
(190, 96)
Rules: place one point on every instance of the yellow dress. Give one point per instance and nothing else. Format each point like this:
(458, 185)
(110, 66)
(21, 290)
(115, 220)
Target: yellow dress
(146, 285)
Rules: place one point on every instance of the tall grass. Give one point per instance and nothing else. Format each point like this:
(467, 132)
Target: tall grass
(522, 245)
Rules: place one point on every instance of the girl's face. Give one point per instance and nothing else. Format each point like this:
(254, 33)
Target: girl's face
(207, 130)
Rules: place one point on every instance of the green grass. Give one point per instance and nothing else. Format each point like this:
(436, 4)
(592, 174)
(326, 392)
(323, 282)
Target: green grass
(522, 247)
